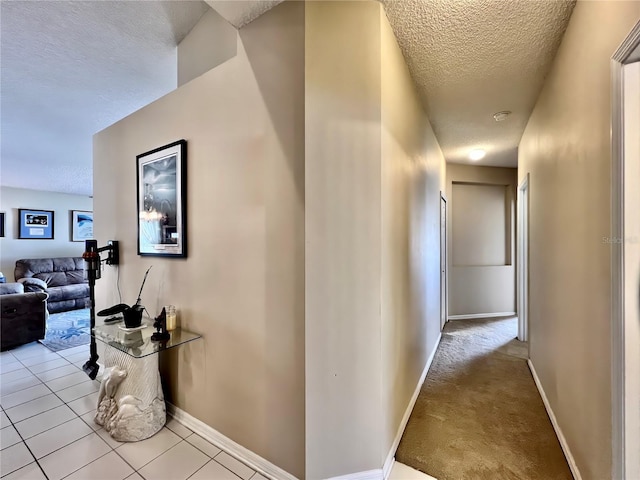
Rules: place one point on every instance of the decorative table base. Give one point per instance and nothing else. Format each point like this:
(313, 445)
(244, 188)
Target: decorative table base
(130, 403)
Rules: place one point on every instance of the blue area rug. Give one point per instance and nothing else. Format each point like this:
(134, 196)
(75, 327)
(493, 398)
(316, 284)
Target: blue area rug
(67, 330)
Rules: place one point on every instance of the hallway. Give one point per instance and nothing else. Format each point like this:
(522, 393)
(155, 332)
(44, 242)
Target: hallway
(479, 414)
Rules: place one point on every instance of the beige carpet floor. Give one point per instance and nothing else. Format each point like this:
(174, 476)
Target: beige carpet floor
(479, 415)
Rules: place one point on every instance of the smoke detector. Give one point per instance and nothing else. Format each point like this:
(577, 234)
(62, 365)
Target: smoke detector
(501, 116)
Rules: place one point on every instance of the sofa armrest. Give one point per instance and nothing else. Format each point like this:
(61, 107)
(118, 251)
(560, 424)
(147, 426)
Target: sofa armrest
(33, 284)
(8, 288)
(23, 318)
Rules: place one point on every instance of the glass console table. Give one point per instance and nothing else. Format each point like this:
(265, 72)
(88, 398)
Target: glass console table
(130, 401)
(137, 342)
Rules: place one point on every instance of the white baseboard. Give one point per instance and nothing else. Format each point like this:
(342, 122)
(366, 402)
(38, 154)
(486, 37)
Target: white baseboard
(391, 459)
(274, 472)
(563, 441)
(234, 449)
(481, 315)
(383, 474)
(368, 475)
(388, 464)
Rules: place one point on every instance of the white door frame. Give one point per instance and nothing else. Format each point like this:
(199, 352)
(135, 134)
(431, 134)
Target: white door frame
(522, 267)
(624, 435)
(444, 291)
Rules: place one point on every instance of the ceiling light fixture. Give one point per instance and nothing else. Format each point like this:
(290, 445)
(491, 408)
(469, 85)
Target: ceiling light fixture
(477, 154)
(500, 116)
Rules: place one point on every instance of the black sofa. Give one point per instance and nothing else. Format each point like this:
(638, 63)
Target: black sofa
(62, 278)
(23, 316)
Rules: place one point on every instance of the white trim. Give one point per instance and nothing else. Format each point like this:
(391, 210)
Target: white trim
(234, 449)
(444, 309)
(482, 315)
(368, 475)
(617, 277)
(522, 262)
(563, 441)
(388, 464)
(621, 457)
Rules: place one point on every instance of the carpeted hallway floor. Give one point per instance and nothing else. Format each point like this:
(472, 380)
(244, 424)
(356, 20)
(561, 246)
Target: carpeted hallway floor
(479, 415)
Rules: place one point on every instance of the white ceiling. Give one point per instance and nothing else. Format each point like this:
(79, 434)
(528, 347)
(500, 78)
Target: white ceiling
(471, 59)
(72, 68)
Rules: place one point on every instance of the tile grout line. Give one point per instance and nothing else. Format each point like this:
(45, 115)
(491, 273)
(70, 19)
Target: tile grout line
(37, 460)
(95, 460)
(111, 449)
(30, 453)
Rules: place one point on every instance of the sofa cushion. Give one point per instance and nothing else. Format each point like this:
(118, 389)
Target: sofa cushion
(68, 292)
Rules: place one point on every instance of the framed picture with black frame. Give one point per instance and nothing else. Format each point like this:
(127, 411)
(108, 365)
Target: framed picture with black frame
(161, 190)
(35, 224)
(2, 220)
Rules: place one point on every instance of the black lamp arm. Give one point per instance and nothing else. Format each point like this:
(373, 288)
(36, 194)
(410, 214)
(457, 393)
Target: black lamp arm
(92, 259)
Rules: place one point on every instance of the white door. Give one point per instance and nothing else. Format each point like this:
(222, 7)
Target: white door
(443, 261)
(631, 252)
(523, 260)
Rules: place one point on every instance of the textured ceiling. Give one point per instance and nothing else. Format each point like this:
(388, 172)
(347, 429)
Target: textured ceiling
(72, 68)
(240, 13)
(473, 58)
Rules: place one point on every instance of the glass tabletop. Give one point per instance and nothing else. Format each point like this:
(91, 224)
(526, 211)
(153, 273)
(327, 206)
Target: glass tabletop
(137, 342)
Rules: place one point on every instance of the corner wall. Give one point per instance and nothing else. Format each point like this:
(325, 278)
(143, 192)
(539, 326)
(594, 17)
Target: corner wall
(12, 248)
(566, 149)
(342, 268)
(374, 172)
(211, 42)
(242, 285)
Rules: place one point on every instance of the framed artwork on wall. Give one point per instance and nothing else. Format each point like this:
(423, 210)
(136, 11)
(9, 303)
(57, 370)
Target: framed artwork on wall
(81, 225)
(161, 188)
(35, 224)
(2, 219)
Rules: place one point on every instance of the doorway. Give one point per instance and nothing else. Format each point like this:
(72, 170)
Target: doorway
(625, 257)
(444, 312)
(523, 260)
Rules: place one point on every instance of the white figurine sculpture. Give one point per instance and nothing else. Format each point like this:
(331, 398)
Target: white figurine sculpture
(130, 401)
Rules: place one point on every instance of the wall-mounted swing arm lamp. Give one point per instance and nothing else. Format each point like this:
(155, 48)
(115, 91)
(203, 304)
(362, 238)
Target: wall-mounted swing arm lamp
(93, 262)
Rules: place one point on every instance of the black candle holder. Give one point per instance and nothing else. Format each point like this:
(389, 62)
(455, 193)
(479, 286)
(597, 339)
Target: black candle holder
(160, 324)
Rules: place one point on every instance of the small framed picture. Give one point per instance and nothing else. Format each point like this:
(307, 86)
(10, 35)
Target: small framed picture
(2, 219)
(81, 225)
(35, 224)
(162, 210)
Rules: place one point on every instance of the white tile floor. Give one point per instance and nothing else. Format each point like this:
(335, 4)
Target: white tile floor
(401, 471)
(47, 430)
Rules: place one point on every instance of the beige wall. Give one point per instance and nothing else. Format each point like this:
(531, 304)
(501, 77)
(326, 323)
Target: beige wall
(12, 248)
(211, 42)
(413, 174)
(566, 150)
(480, 287)
(374, 172)
(342, 186)
(313, 213)
(242, 286)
